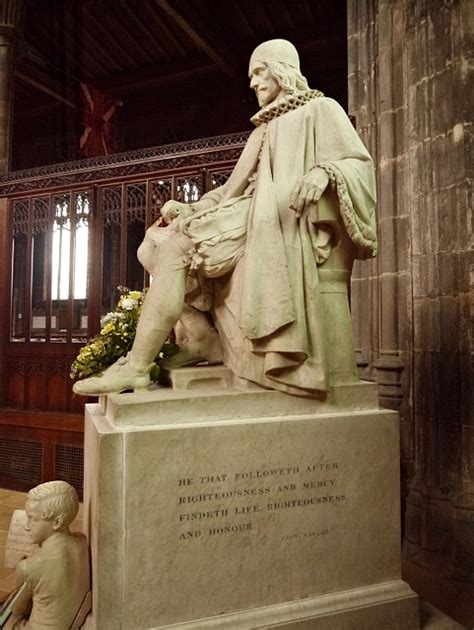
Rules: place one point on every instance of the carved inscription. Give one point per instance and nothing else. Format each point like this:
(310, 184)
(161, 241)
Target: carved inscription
(214, 504)
(19, 544)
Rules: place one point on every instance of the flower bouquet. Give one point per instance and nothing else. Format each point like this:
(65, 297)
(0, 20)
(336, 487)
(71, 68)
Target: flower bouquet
(116, 338)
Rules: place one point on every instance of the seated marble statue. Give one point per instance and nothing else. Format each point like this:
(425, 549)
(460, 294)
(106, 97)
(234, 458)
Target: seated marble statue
(55, 580)
(268, 254)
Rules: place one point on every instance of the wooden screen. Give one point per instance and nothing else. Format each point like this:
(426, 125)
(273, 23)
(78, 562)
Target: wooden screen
(72, 239)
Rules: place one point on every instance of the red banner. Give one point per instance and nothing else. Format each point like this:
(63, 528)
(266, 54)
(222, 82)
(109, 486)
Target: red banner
(99, 134)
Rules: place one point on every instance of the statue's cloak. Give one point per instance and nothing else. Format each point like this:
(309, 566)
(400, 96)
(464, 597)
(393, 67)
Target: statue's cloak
(268, 310)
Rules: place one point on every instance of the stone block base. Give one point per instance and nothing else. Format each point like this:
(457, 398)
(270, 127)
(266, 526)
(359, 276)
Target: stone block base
(245, 509)
(391, 606)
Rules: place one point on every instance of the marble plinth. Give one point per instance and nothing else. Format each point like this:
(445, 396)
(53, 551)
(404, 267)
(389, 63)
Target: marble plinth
(245, 509)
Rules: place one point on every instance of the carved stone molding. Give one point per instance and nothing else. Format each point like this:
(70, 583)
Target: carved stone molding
(389, 370)
(11, 12)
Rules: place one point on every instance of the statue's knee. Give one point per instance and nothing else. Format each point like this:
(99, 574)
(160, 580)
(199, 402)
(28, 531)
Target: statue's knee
(146, 254)
(162, 250)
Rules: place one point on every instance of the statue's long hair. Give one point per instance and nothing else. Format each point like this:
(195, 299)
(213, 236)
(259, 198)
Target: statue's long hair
(289, 78)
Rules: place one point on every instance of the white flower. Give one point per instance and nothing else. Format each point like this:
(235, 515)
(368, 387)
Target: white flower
(108, 317)
(111, 317)
(129, 304)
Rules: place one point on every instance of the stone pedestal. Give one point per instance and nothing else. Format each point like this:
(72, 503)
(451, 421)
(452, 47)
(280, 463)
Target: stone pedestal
(228, 508)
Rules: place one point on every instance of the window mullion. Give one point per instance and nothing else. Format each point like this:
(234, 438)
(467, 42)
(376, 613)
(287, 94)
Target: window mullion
(95, 244)
(148, 219)
(72, 248)
(28, 272)
(48, 265)
(123, 237)
(174, 187)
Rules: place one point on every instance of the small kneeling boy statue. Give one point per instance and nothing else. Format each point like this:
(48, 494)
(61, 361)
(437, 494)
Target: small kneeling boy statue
(55, 580)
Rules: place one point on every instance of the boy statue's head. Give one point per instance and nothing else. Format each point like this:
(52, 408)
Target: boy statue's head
(50, 508)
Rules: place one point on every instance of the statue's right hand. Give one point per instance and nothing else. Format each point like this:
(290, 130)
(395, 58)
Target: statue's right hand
(173, 209)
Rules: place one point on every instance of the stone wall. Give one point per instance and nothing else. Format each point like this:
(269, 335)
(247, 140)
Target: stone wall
(411, 91)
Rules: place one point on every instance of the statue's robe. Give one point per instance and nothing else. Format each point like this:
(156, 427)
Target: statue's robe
(269, 309)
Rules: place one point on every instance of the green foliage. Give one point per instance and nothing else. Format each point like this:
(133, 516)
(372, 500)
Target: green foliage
(115, 338)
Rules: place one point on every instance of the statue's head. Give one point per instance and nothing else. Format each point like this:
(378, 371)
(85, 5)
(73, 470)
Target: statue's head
(50, 507)
(274, 70)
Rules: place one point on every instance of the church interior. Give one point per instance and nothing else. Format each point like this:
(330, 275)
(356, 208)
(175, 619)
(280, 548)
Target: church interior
(108, 110)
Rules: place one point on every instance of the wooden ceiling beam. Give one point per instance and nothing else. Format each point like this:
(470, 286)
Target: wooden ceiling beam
(97, 29)
(179, 69)
(121, 82)
(244, 20)
(166, 79)
(140, 27)
(121, 31)
(42, 87)
(197, 37)
(37, 110)
(162, 28)
(87, 57)
(102, 52)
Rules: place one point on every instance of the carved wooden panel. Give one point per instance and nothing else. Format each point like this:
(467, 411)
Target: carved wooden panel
(15, 386)
(40, 421)
(38, 446)
(200, 152)
(161, 192)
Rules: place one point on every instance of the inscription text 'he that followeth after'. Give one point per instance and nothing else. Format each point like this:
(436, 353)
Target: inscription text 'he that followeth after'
(210, 504)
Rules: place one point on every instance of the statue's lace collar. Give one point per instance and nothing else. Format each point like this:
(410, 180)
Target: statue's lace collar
(284, 104)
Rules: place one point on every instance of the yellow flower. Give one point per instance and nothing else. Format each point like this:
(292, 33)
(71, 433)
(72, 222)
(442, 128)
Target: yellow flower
(135, 295)
(96, 346)
(108, 328)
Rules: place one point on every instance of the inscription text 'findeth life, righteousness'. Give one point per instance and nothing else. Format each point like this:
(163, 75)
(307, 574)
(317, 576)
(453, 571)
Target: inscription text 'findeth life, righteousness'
(213, 504)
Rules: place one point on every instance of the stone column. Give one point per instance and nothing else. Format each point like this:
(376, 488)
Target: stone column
(10, 20)
(361, 78)
(439, 83)
(382, 287)
(393, 263)
(410, 88)
(11, 12)
(4, 286)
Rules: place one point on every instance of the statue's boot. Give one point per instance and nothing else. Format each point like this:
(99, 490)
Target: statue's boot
(117, 378)
(162, 307)
(208, 348)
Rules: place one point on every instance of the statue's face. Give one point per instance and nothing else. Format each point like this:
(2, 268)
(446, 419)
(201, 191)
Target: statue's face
(264, 83)
(38, 527)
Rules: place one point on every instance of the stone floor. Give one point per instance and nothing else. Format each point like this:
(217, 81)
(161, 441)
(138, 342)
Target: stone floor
(431, 617)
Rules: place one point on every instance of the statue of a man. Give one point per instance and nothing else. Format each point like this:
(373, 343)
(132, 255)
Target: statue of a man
(55, 580)
(270, 251)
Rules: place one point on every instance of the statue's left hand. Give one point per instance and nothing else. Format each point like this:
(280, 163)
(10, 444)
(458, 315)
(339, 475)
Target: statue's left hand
(308, 190)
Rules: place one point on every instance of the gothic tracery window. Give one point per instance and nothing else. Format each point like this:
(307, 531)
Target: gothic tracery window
(52, 242)
(50, 261)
